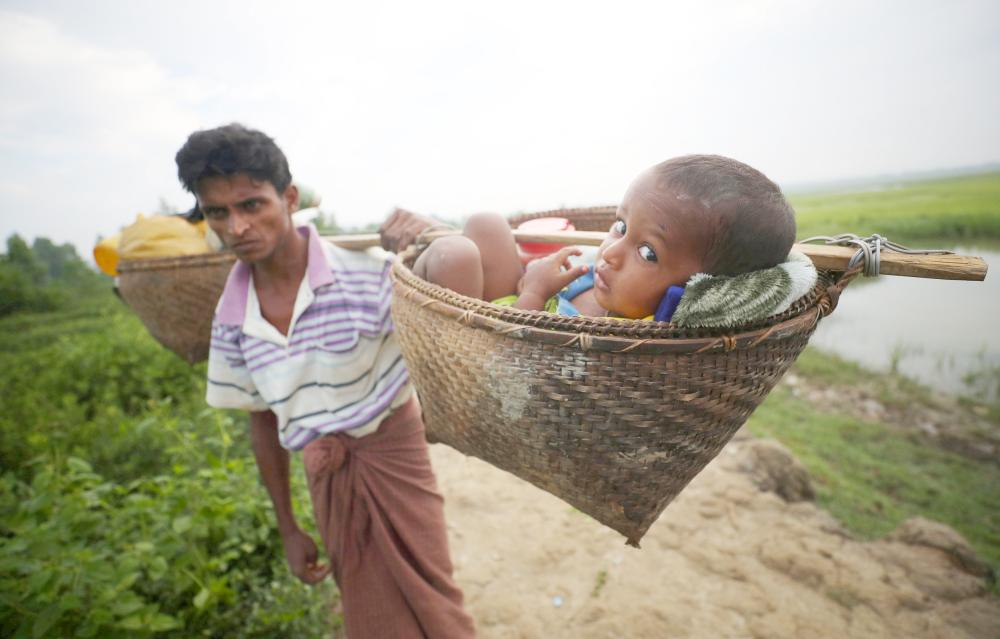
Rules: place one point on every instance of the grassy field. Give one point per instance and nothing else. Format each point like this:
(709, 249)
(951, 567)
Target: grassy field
(927, 213)
(873, 474)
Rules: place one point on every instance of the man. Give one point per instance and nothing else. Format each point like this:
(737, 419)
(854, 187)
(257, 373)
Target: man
(303, 340)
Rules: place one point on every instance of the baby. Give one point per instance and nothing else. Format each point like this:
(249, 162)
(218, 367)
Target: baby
(689, 215)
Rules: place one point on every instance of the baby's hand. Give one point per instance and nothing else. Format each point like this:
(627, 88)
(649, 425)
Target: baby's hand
(546, 276)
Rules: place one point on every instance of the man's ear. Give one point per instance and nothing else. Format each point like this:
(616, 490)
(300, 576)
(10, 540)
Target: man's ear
(291, 197)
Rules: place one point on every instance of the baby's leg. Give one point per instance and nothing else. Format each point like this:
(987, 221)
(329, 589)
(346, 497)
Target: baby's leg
(453, 262)
(501, 266)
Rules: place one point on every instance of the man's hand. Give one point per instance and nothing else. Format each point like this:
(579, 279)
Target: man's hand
(302, 555)
(401, 228)
(546, 276)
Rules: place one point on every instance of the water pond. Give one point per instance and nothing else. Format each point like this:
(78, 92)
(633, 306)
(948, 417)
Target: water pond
(945, 334)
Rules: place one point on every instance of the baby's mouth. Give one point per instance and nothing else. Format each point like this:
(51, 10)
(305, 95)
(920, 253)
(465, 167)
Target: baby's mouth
(599, 281)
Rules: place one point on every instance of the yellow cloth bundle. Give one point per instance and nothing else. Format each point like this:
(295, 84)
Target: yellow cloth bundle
(154, 236)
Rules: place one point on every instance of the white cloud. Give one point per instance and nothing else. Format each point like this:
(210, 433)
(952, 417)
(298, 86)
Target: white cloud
(63, 93)
(88, 133)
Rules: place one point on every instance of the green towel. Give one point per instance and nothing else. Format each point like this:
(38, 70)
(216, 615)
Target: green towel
(719, 301)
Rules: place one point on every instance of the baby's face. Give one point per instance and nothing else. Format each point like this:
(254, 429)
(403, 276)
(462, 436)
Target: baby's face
(658, 240)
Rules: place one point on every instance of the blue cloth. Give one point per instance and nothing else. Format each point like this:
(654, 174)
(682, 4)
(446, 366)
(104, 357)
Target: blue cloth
(667, 306)
(583, 283)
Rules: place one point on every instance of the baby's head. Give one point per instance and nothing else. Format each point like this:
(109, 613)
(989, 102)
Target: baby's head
(692, 214)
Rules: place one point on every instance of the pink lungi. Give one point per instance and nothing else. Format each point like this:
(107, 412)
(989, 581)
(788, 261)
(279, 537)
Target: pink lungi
(381, 519)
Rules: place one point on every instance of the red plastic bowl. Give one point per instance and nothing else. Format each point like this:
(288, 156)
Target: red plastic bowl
(532, 250)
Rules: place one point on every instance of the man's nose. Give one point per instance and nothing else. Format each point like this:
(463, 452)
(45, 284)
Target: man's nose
(237, 224)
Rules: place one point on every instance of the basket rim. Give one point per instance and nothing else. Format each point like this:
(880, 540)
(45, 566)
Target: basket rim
(568, 211)
(605, 334)
(193, 260)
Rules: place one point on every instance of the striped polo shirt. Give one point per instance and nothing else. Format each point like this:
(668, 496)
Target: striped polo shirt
(338, 369)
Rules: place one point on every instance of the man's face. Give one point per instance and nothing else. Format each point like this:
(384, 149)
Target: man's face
(248, 215)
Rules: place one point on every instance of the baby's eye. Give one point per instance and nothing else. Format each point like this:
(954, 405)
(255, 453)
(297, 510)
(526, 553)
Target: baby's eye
(647, 253)
(618, 227)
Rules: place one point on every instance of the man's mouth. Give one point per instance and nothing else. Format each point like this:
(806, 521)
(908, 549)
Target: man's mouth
(242, 247)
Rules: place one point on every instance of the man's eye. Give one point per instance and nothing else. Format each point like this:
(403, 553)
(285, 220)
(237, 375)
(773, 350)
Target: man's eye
(647, 253)
(251, 205)
(618, 227)
(214, 214)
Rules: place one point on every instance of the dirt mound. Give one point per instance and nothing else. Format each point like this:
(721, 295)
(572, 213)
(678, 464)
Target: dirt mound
(742, 552)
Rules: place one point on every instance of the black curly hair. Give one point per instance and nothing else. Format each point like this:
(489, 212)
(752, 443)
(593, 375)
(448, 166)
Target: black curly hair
(228, 150)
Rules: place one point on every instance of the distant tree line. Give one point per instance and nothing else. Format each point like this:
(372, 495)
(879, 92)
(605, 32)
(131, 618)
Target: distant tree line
(326, 223)
(42, 276)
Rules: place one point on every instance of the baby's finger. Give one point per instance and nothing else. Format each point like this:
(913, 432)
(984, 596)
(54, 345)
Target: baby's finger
(569, 251)
(566, 251)
(570, 274)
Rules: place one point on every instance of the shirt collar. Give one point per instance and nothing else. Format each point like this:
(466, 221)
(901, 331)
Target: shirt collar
(232, 306)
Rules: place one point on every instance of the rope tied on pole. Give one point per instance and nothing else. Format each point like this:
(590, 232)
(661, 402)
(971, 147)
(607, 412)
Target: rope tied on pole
(869, 249)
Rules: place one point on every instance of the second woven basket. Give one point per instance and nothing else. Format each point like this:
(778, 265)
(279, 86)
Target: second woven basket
(175, 298)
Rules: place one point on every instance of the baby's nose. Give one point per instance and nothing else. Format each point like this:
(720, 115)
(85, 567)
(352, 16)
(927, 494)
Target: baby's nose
(614, 251)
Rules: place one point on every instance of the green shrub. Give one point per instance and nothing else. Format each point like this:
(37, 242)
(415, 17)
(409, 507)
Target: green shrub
(127, 507)
(18, 293)
(189, 553)
(96, 395)
(43, 277)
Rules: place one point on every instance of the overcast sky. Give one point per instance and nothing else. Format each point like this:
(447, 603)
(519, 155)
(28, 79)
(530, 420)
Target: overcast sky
(452, 108)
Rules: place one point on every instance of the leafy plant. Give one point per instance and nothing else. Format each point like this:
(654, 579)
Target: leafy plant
(127, 507)
(192, 552)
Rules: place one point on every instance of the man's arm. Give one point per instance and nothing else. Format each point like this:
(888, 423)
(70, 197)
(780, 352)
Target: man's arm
(272, 461)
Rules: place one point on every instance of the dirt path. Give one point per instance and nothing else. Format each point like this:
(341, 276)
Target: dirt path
(726, 559)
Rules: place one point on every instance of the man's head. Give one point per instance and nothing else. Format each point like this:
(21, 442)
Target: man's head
(229, 150)
(692, 214)
(243, 186)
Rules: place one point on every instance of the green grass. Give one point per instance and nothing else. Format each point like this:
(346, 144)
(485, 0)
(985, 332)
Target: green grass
(872, 476)
(23, 332)
(829, 369)
(961, 209)
(890, 389)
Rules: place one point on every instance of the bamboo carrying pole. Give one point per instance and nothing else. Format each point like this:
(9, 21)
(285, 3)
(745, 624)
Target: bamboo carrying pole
(832, 258)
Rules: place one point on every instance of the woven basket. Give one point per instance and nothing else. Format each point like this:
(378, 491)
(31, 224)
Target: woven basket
(594, 218)
(615, 417)
(175, 298)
